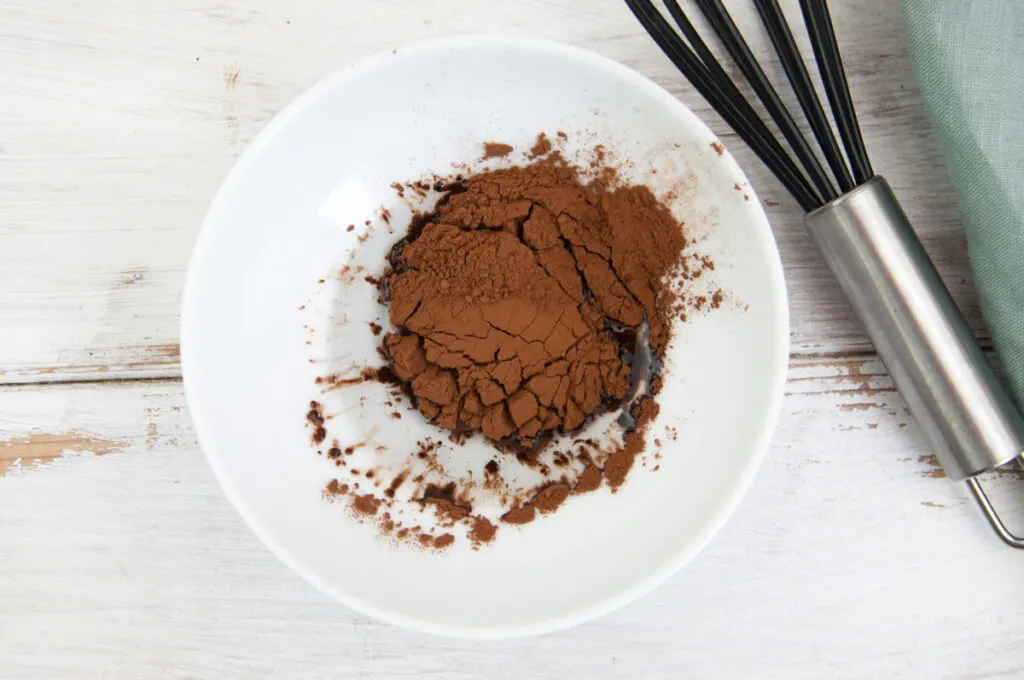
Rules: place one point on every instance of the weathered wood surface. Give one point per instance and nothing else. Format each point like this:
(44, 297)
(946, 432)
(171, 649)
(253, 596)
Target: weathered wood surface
(120, 557)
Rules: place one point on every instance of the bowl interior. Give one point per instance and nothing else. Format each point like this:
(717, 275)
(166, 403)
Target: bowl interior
(279, 224)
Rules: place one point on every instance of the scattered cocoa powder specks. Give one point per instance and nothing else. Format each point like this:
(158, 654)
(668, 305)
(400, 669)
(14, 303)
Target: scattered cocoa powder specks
(589, 480)
(482, 531)
(496, 150)
(550, 498)
(523, 515)
(366, 504)
(315, 417)
(398, 480)
(541, 147)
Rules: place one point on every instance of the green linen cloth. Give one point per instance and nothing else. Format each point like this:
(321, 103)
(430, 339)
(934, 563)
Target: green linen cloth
(969, 60)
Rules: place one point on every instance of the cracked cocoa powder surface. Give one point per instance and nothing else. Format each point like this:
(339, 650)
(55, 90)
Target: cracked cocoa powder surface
(514, 305)
(514, 300)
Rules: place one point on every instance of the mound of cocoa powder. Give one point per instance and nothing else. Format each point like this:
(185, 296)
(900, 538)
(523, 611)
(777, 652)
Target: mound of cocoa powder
(517, 299)
(514, 306)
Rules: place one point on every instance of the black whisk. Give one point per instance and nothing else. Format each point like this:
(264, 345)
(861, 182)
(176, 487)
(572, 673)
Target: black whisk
(860, 228)
(808, 182)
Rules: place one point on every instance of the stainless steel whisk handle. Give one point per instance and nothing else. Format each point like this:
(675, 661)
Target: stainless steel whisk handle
(966, 417)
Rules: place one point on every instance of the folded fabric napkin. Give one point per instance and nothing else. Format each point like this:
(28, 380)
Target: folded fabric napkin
(969, 60)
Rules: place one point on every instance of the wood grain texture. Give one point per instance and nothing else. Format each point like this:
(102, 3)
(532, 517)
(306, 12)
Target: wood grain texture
(121, 118)
(849, 558)
(38, 449)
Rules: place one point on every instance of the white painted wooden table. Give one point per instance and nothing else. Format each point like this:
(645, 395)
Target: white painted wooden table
(851, 557)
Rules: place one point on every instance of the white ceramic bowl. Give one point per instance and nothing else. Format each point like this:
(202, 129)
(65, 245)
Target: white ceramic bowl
(278, 224)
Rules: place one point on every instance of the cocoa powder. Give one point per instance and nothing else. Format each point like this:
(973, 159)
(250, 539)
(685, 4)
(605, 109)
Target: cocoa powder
(619, 462)
(515, 298)
(514, 305)
(315, 417)
(482, 531)
(496, 150)
(589, 480)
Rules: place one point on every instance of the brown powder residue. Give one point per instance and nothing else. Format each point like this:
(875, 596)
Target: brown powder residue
(395, 483)
(367, 508)
(619, 463)
(366, 504)
(550, 498)
(447, 509)
(719, 149)
(381, 374)
(336, 488)
(482, 531)
(496, 150)
(541, 147)
(315, 417)
(589, 480)
(522, 515)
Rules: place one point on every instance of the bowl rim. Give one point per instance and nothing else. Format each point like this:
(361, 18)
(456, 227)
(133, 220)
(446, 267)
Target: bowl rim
(191, 297)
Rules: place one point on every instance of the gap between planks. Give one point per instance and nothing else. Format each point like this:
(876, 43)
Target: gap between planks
(172, 372)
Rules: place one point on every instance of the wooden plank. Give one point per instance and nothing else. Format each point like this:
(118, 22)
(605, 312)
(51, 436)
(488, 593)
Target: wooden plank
(850, 557)
(40, 449)
(51, 426)
(121, 118)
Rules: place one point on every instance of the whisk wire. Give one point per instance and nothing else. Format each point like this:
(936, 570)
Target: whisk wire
(721, 21)
(707, 58)
(729, 94)
(833, 75)
(724, 99)
(805, 178)
(800, 80)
